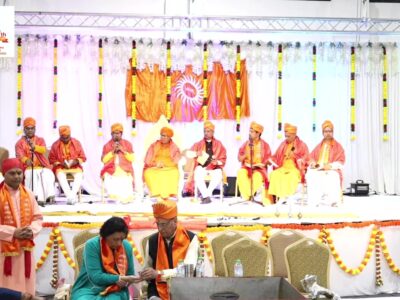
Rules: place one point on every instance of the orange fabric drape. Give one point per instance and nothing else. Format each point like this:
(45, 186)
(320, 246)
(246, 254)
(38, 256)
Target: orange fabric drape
(151, 94)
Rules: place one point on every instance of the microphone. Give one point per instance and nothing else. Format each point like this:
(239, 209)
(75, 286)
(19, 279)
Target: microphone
(293, 148)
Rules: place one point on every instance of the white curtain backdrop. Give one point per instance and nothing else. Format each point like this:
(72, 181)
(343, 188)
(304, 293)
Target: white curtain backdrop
(368, 157)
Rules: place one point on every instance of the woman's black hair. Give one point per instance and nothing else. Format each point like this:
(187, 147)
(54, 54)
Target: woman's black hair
(113, 225)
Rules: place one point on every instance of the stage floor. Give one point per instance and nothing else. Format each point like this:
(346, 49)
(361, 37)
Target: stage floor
(352, 209)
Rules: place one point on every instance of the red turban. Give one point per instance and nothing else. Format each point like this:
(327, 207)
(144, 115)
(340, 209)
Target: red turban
(257, 127)
(289, 128)
(165, 209)
(327, 123)
(209, 125)
(117, 127)
(11, 163)
(64, 130)
(167, 131)
(29, 122)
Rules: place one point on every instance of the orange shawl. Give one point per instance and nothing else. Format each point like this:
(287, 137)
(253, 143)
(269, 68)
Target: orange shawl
(60, 152)
(9, 217)
(126, 165)
(179, 248)
(110, 260)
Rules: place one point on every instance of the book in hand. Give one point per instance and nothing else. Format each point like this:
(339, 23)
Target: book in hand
(203, 158)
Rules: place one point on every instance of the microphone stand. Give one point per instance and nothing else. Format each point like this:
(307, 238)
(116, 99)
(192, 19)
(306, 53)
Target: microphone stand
(28, 140)
(251, 199)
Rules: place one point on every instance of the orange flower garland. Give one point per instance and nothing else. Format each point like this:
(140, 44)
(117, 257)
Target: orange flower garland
(169, 62)
(265, 236)
(205, 83)
(135, 250)
(63, 249)
(205, 245)
(367, 256)
(19, 86)
(134, 83)
(46, 250)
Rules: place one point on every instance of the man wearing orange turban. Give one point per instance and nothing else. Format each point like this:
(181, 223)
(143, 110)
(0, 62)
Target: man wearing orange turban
(31, 150)
(166, 248)
(210, 160)
(161, 166)
(324, 176)
(117, 173)
(253, 155)
(289, 161)
(67, 155)
(20, 223)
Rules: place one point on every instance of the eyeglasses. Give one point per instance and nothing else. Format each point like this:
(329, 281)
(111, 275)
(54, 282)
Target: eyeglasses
(163, 224)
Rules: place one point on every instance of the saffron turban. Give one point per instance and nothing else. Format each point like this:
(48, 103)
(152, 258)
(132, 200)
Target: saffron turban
(289, 128)
(117, 127)
(64, 130)
(29, 122)
(11, 163)
(327, 123)
(165, 209)
(209, 125)
(167, 131)
(257, 127)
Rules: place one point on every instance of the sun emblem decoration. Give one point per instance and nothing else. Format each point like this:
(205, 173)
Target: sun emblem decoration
(189, 90)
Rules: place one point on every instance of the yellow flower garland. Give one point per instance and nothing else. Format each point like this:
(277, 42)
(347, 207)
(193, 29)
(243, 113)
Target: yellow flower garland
(134, 83)
(238, 89)
(55, 80)
(169, 62)
(46, 250)
(338, 259)
(63, 249)
(280, 64)
(385, 96)
(205, 82)
(100, 100)
(387, 255)
(353, 94)
(19, 86)
(135, 250)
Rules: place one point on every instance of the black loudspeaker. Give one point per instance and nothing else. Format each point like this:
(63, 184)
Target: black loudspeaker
(223, 288)
(359, 188)
(229, 190)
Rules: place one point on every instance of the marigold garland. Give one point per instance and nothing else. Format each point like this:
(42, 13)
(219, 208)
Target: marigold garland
(135, 250)
(205, 83)
(169, 62)
(385, 95)
(387, 255)
(63, 249)
(205, 245)
(19, 86)
(55, 80)
(238, 88)
(314, 78)
(54, 277)
(280, 64)
(266, 235)
(46, 250)
(134, 83)
(100, 100)
(353, 94)
(338, 259)
(378, 274)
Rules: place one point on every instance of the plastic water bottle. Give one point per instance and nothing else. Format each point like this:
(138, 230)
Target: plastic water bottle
(200, 267)
(238, 269)
(180, 269)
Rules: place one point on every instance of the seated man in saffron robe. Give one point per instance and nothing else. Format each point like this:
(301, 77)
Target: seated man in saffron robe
(20, 223)
(253, 155)
(161, 172)
(107, 265)
(166, 248)
(324, 175)
(67, 155)
(117, 172)
(31, 150)
(212, 167)
(290, 160)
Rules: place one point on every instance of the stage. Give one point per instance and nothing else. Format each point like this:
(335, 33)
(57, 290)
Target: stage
(352, 226)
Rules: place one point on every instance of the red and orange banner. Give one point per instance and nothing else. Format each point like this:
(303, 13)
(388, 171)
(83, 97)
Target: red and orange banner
(187, 94)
